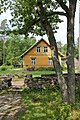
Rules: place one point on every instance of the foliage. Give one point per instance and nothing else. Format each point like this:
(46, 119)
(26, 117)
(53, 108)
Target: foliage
(3, 67)
(45, 69)
(76, 51)
(1, 53)
(64, 49)
(13, 70)
(26, 17)
(64, 67)
(4, 26)
(15, 45)
(3, 29)
(77, 88)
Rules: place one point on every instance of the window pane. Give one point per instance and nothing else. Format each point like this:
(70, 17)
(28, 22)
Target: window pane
(50, 61)
(33, 61)
(45, 49)
(38, 49)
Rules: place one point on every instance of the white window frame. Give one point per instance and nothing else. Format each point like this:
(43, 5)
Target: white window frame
(38, 49)
(45, 49)
(49, 60)
(33, 61)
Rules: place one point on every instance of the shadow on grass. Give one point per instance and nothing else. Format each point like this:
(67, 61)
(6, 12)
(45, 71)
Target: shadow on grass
(44, 105)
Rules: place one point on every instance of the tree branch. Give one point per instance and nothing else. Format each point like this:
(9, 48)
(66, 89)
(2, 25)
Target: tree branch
(56, 13)
(63, 6)
(48, 14)
(33, 23)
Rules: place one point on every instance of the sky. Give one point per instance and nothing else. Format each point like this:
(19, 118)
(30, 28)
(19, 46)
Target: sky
(61, 34)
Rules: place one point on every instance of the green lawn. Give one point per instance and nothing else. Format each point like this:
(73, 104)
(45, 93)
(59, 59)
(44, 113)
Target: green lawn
(46, 105)
(22, 71)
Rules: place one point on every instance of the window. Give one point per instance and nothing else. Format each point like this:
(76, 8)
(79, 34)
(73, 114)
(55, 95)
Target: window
(38, 49)
(50, 61)
(33, 61)
(45, 49)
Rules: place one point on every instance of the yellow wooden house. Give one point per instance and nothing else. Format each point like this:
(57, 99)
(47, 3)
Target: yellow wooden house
(38, 55)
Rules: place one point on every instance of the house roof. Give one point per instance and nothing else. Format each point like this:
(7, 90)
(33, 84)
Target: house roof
(36, 44)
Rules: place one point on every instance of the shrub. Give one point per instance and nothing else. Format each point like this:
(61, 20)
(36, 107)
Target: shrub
(77, 82)
(62, 111)
(4, 67)
(44, 69)
(10, 67)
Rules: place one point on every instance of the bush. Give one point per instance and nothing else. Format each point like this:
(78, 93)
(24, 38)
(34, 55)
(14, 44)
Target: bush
(62, 111)
(10, 67)
(4, 67)
(44, 69)
(77, 82)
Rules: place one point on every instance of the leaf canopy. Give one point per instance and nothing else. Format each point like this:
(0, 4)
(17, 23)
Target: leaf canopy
(25, 16)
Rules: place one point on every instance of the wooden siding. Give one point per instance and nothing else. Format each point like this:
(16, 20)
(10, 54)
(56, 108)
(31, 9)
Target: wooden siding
(41, 57)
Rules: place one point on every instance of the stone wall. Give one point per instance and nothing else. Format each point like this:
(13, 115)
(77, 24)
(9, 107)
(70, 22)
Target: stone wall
(47, 80)
(5, 82)
(39, 82)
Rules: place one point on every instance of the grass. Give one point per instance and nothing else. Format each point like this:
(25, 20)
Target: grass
(46, 105)
(11, 71)
(22, 71)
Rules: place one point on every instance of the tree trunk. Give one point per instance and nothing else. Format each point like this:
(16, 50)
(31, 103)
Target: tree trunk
(70, 53)
(79, 31)
(70, 62)
(46, 25)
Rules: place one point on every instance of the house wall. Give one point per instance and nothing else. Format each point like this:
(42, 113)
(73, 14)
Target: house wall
(41, 58)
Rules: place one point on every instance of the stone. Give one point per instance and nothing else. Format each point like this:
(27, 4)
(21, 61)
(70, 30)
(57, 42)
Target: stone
(5, 107)
(0, 84)
(15, 108)
(1, 117)
(10, 117)
(5, 82)
(10, 105)
(14, 102)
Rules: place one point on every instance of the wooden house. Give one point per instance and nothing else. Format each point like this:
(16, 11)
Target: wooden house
(38, 55)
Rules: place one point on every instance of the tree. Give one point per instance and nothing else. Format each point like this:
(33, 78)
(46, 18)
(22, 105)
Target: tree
(3, 29)
(1, 51)
(76, 50)
(40, 17)
(16, 45)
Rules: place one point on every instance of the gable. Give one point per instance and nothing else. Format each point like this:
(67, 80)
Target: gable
(42, 42)
(32, 49)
